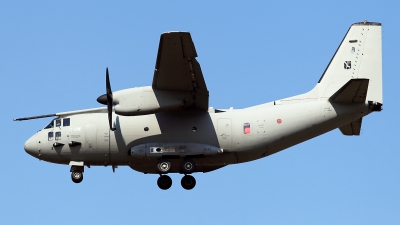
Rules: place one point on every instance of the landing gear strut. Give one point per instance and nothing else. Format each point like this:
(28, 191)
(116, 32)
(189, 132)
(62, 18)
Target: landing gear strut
(188, 182)
(164, 182)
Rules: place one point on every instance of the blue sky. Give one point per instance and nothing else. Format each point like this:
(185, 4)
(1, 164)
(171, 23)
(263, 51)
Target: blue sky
(53, 58)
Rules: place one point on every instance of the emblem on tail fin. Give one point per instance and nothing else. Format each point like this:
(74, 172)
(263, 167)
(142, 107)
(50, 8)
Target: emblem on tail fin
(347, 65)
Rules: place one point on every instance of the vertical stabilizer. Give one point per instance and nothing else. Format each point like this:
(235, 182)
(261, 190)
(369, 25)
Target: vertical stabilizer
(359, 56)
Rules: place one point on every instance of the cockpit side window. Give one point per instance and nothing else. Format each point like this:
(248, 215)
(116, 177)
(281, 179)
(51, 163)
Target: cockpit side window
(50, 135)
(58, 136)
(58, 123)
(66, 122)
(50, 125)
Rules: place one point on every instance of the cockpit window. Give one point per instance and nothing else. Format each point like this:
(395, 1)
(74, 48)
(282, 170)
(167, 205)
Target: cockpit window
(51, 125)
(58, 123)
(58, 136)
(66, 122)
(50, 136)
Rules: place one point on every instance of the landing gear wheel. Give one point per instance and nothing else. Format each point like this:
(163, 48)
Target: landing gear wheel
(164, 166)
(164, 182)
(188, 182)
(76, 176)
(188, 166)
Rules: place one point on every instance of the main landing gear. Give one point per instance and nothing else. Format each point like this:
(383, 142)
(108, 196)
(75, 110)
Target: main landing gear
(188, 182)
(164, 166)
(164, 182)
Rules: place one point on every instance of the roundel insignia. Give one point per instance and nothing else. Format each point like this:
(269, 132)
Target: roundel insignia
(279, 121)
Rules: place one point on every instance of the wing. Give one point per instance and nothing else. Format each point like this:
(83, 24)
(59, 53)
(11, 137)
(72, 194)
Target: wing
(177, 68)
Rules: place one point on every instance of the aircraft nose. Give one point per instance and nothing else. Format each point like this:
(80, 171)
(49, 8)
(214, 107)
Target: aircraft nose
(30, 146)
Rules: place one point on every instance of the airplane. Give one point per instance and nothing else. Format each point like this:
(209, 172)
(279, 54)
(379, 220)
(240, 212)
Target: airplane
(168, 127)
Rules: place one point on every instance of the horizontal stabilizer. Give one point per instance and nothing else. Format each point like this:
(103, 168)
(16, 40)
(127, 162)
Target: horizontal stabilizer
(352, 128)
(354, 91)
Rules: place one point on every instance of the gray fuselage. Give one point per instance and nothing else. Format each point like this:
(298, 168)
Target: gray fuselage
(243, 134)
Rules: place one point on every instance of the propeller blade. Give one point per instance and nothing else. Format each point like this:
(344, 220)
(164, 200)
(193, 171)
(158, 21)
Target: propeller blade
(109, 100)
(108, 86)
(109, 109)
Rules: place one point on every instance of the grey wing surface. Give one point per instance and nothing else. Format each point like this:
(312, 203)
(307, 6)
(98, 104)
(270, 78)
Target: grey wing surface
(177, 68)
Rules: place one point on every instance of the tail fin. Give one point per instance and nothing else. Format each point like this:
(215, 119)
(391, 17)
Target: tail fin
(359, 56)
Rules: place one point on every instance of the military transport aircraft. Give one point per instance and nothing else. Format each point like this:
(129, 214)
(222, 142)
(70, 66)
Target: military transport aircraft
(168, 127)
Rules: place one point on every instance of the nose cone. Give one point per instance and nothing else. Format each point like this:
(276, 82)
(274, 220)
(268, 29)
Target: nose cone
(31, 147)
(102, 99)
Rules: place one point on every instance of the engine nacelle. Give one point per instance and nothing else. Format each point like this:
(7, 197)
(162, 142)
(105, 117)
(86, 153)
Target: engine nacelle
(146, 100)
(181, 149)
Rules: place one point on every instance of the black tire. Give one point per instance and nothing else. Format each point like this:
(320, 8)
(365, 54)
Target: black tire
(77, 176)
(164, 182)
(164, 166)
(188, 182)
(188, 166)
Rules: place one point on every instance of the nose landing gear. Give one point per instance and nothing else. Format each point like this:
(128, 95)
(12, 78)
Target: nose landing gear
(77, 173)
(76, 176)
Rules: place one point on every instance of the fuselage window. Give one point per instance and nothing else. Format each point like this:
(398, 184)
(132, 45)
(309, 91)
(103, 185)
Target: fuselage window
(50, 136)
(51, 125)
(58, 123)
(66, 122)
(58, 136)
(246, 128)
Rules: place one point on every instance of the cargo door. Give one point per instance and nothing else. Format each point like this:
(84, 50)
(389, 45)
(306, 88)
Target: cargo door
(91, 137)
(224, 133)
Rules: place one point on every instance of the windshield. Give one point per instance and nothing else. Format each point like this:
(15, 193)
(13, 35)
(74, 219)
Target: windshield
(50, 125)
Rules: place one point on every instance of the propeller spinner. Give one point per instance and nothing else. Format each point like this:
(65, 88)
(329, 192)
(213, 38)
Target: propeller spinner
(107, 99)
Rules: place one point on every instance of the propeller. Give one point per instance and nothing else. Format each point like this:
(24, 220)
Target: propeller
(107, 99)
